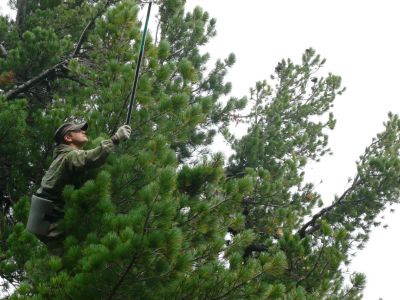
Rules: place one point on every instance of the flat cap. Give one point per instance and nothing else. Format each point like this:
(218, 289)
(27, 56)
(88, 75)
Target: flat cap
(67, 127)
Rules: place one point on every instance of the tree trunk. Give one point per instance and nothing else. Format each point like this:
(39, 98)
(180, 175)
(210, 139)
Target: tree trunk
(21, 12)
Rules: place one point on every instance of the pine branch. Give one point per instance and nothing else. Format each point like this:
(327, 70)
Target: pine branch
(61, 66)
(314, 266)
(312, 226)
(122, 278)
(208, 210)
(134, 257)
(31, 82)
(74, 79)
(117, 119)
(238, 286)
(89, 26)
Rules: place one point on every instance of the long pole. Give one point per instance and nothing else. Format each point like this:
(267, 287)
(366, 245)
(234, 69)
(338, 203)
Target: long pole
(139, 62)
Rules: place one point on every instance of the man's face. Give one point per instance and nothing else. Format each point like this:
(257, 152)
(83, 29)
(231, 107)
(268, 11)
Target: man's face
(76, 138)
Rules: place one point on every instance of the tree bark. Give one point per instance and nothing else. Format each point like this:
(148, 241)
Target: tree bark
(21, 12)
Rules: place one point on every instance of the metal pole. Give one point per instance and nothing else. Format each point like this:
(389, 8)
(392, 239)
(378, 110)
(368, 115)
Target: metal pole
(139, 62)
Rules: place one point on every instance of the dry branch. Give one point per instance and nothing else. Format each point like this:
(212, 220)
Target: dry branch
(61, 66)
(3, 51)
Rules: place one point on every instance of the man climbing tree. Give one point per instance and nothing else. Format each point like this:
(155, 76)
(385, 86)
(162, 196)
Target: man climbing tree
(70, 167)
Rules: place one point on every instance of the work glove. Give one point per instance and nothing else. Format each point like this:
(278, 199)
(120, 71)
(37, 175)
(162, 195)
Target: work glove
(123, 133)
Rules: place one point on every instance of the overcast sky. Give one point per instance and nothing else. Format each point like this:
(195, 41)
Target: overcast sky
(360, 40)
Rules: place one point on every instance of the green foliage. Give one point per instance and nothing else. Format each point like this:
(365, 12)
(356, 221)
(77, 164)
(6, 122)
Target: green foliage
(165, 218)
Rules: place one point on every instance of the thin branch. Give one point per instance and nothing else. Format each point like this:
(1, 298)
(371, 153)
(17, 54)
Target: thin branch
(314, 267)
(89, 26)
(312, 223)
(123, 109)
(209, 210)
(74, 79)
(134, 257)
(157, 32)
(234, 288)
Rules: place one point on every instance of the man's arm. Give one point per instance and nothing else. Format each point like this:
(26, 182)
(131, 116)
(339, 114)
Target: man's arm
(78, 160)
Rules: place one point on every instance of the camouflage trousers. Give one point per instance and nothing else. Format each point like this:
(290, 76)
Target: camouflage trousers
(54, 239)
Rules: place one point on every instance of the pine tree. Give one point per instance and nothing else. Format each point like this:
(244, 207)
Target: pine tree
(166, 218)
(288, 126)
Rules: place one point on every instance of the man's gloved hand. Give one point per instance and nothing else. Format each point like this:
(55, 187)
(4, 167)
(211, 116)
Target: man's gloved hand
(123, 133)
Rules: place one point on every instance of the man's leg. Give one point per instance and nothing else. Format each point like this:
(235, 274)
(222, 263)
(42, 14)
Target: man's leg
(54, 240)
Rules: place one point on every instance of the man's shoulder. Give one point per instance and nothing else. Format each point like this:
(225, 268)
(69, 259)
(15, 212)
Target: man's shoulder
(63, 150)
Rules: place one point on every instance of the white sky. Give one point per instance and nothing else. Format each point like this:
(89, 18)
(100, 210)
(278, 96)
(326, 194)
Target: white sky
(360, 40)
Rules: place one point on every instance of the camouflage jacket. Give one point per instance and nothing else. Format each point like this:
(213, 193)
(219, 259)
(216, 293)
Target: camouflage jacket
(71, 167)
